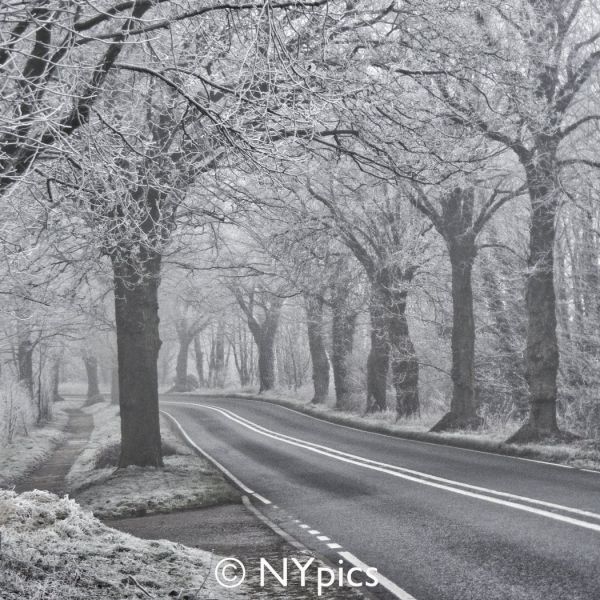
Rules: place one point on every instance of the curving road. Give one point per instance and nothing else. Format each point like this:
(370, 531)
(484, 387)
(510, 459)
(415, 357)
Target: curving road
(439, 523)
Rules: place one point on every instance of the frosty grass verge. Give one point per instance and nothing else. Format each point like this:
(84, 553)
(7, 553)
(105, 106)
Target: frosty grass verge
(25, 453)
(187, 480)
(53, 549)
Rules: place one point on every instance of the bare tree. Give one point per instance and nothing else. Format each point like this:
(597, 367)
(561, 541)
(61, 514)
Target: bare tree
(375, 226)
(262, 309)
(314, 304)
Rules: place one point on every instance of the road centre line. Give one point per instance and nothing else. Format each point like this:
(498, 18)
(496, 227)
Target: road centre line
(577, 511)
(261, 498)
(409, 474)
(414, 441)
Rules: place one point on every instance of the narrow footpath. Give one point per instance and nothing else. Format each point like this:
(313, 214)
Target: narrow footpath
(51, 475)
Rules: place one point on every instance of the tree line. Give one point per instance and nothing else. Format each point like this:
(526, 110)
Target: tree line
(424, 171)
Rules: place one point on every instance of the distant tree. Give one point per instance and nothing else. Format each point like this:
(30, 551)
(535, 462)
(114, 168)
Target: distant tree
(262, 309)
(188, 327)
(375, 224)
(91, 368)
(314, 305)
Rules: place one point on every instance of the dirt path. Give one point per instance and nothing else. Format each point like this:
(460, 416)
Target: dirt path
(51, 475)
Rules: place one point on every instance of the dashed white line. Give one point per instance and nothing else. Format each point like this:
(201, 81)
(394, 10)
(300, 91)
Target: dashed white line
(323, 538)
(334, 546)
(314, 532)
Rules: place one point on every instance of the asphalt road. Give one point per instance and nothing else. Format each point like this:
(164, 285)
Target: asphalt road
(438, 523)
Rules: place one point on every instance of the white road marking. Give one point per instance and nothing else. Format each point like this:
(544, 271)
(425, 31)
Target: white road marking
(382, 580)
(207, 456)
(414, 476)
(413, 441)
(261, 498)
(323, 538)
(314, 532)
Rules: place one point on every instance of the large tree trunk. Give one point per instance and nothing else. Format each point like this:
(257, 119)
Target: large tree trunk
(266, 362)
(342, 337)
(542, 344)
(25, 364)
(404, 362)
(114, 384)
(459, 233)
(378, 359)
(199, 356)
(181, 368)
(56, 397)
(138, 343)
(318, 353)
(463, 405)
(241, 355)
(264, 332)
(217, 357)
(91, 370)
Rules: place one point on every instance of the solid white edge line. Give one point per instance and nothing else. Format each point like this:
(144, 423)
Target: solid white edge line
(382, 580)
(366, 463)
(206, 455)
